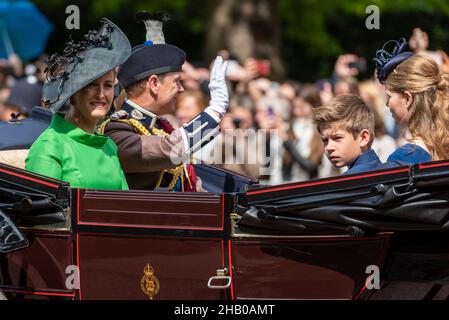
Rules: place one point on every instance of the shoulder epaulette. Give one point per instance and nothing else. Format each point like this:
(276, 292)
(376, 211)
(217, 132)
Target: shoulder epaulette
(119, 115)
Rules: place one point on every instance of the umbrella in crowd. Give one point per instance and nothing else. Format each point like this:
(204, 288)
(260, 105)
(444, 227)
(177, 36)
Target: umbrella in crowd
(24, 30)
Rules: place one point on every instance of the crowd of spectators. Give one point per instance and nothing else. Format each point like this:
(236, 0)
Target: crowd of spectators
(20, 86)
(268, 132)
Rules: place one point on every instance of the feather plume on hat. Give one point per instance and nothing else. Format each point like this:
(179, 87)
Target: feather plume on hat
(153, 24)
(154, 57)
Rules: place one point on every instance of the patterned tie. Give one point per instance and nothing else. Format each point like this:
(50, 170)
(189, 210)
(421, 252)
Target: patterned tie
(189, 184)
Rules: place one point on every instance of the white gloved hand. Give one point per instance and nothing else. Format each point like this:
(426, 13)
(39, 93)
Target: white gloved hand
(219, 101)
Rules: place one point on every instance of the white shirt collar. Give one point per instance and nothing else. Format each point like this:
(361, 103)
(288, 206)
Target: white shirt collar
(144, 111)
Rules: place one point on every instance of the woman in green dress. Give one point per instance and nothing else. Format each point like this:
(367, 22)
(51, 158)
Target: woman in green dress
(80, 91)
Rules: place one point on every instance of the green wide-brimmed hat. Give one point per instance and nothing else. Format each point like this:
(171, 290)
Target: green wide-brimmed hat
(82, 62)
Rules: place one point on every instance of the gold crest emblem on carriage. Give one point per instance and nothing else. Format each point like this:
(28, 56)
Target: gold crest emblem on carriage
(149, 282)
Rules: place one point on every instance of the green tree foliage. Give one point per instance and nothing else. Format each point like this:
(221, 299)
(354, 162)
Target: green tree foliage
(314, 32)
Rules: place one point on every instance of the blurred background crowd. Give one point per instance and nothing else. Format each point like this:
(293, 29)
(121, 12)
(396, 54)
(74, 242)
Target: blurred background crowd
(268, 132)
(20, 86)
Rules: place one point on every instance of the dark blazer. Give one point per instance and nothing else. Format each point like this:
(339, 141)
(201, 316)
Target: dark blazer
(367, 161)
(407, 155)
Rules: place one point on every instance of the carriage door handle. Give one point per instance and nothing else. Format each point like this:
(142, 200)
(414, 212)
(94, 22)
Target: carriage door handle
(222, 274)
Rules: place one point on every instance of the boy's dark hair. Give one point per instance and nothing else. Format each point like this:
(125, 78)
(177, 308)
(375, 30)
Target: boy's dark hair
(347, 112)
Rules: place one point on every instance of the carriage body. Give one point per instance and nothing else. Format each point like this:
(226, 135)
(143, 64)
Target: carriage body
(321, 239)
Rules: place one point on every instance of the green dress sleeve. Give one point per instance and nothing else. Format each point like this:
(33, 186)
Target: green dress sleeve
(124, 182)
(43, 157)
(115, 164)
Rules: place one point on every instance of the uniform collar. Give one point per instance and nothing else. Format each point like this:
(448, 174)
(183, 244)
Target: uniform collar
(147, 118)
(61, 125)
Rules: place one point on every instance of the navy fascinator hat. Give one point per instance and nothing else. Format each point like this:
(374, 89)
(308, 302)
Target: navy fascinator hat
(387, 61)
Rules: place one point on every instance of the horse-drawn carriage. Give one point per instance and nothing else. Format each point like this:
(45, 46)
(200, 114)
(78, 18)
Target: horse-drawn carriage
(320, 239)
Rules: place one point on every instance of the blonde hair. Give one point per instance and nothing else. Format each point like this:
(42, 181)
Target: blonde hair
(200, 98)
(371, 94)
(428, 117)
(348, 112)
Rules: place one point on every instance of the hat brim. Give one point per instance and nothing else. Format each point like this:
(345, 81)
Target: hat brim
(145, 61)
(96, 62)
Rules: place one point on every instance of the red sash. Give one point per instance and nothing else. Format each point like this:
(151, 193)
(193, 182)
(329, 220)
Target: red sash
(188, 187)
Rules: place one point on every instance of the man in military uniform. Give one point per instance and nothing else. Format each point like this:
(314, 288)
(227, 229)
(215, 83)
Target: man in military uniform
(154, 151)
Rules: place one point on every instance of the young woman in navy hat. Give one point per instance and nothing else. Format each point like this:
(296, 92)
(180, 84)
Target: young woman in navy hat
(418, 97)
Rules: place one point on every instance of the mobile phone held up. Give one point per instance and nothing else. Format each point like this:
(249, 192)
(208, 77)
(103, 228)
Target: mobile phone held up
(263, 67)
(360, 65)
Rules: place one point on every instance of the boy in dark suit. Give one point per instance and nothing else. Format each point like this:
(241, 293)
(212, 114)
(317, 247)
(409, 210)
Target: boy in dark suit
(346, 125)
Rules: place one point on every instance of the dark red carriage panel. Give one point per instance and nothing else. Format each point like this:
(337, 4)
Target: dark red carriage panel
(114, 266)
(40, 269)
(321, 268)
(150, 210)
